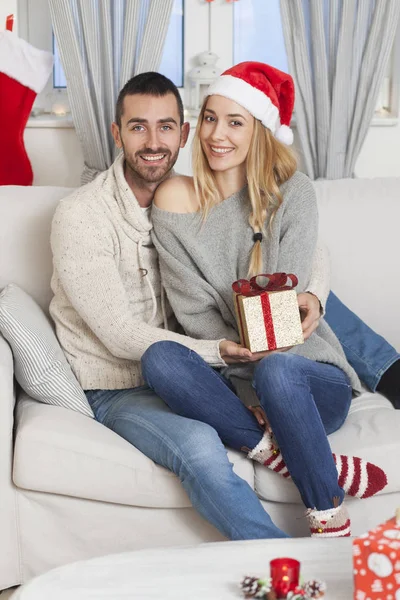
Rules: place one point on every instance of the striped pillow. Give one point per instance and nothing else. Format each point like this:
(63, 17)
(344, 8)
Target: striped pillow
(41, 368)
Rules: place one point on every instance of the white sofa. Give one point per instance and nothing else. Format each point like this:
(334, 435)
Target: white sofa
(71, 489)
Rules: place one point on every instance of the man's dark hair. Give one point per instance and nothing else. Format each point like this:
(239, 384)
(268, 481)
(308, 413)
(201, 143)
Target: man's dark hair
(148, 84)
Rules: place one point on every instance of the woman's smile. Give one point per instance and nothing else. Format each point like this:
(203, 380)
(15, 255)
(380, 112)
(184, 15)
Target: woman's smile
(220, 151)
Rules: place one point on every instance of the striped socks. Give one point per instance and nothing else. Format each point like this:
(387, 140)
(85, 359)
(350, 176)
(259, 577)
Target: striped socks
(357, 477)
(268, 454)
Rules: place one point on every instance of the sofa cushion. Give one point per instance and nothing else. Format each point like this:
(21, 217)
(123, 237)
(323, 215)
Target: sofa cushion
(371, 431)
(358, 220)
(60, 452)
(25, 254)
(40, 366)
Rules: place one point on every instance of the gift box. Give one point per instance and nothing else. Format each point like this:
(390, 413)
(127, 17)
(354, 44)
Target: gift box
(267, 312)
(376, 562)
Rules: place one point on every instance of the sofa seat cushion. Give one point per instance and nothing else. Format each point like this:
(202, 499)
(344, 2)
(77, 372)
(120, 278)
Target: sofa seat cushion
(62, 452)
(371, 431)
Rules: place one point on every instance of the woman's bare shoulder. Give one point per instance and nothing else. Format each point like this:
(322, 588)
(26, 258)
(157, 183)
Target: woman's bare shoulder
(176, 194)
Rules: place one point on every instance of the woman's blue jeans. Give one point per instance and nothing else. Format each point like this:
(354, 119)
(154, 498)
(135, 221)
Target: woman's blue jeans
(194, 452)
(369, 354)
(304, 401)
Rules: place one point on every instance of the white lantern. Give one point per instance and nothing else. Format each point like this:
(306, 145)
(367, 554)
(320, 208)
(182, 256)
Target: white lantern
(200, 77)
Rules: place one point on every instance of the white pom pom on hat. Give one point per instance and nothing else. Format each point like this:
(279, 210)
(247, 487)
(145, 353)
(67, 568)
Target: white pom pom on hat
(285, 135)
(265, 92)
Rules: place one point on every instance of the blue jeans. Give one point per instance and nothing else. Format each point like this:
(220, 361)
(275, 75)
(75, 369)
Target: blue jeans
(194, 452)
(304, 401)
(369, 354)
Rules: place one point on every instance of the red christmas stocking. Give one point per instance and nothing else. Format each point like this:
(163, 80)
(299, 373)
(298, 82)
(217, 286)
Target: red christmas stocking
(24, 71)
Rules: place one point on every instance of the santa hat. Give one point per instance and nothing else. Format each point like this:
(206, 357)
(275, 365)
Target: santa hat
(19, 60)
(265, 92)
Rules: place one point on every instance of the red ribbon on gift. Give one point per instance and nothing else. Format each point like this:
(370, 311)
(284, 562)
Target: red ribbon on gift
(256, 286)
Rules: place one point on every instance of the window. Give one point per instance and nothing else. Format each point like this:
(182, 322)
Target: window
(254, 22)
(59, 80)
(172, 60)
(235, 31)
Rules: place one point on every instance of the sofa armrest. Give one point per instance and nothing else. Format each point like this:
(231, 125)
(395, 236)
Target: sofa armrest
(7, 401)
(9, 548)
(7, 388)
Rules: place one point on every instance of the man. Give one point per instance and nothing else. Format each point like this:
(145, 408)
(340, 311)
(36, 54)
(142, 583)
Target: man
(108, 309)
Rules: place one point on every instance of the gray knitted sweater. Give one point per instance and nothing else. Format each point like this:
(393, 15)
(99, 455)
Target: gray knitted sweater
(200, 261)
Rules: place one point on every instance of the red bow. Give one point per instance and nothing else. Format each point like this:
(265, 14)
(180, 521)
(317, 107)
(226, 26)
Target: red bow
(265, 283)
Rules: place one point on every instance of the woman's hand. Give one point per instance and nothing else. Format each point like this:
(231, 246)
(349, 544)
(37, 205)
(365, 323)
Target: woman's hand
(231, 353)
(261, 417)
(310, 309)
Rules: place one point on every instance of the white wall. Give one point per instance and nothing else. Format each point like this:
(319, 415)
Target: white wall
(380, 155)
(55, 155)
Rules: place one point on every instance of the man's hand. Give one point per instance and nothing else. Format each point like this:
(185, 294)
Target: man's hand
(310, 310)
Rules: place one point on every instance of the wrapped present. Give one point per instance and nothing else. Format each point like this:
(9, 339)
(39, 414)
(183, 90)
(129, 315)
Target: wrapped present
(267, 312)
(376, 562)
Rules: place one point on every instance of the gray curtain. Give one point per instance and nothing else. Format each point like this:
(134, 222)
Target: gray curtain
(338, 51)
(102, 44)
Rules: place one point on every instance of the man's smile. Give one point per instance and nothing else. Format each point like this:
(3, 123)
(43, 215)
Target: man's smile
(153, 158)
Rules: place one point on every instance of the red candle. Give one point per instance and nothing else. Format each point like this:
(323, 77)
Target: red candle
(285, 574)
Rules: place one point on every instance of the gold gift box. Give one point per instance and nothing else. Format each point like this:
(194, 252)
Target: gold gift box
(269, 323)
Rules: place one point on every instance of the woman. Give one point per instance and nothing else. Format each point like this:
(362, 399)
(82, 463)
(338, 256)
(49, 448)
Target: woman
(247, 211)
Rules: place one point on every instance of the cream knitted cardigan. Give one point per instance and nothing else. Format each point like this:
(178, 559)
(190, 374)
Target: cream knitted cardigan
(107, 304)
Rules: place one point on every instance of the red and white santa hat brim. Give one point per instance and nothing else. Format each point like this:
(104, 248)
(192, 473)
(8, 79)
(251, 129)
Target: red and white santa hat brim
(23, 62)
(265, 92)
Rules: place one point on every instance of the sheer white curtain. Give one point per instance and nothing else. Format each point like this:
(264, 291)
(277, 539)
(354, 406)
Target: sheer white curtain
(338, 51)
(102, 44)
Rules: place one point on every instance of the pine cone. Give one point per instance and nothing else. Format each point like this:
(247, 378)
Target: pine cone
(250, 586)
(314, 589)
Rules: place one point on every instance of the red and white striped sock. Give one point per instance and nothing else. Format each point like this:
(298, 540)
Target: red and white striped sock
(357, 477)
(268, 454)
(330, 523)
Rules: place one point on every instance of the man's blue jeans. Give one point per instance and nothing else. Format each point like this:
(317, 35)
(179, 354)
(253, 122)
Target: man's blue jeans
(369, 354)
(194, 452)
(304, 401)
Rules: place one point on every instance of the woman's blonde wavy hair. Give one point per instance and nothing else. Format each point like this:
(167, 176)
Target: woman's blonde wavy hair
(269, 164)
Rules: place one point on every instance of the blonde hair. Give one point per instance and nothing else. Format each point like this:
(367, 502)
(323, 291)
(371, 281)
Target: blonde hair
(269, 164)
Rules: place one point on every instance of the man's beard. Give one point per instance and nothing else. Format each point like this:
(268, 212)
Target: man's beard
(149, 173)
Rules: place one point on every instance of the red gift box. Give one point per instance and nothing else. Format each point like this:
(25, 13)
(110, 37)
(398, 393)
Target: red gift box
(376, 562)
